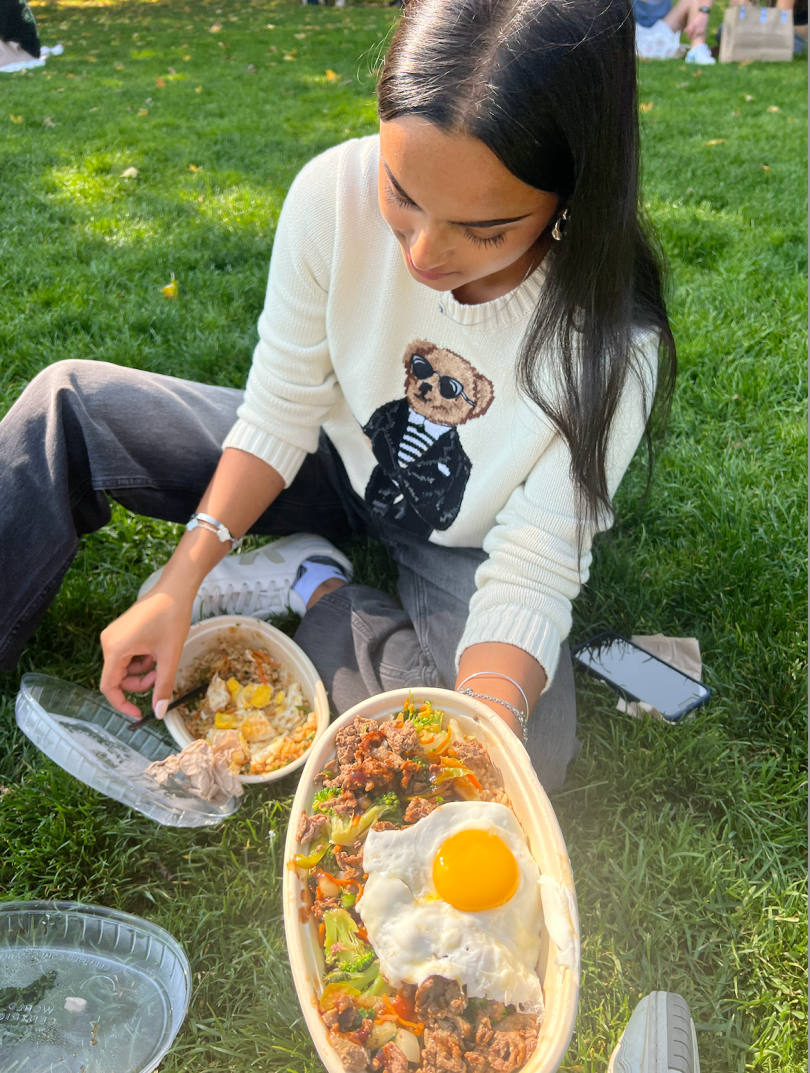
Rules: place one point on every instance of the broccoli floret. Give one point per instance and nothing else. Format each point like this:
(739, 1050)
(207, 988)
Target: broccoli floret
(342, 945)
(346, 830)
(361, 962)
(392, 807)
(320, 801)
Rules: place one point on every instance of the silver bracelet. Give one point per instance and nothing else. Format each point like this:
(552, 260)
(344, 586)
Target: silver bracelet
(506, 678)
(205, 521)
(521, 718)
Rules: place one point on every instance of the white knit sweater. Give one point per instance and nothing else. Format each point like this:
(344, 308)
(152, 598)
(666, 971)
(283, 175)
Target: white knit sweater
(349, 341)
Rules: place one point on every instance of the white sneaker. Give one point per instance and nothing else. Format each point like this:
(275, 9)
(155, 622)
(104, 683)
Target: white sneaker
(700, 54)
(659, 1038)
(258, 583)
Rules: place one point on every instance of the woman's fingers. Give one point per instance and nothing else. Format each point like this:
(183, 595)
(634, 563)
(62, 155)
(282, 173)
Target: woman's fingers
(112, 679)
(164, 682)
(140, 665)
(134, 683)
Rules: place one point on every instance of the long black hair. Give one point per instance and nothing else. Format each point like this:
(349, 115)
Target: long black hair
(550, 87)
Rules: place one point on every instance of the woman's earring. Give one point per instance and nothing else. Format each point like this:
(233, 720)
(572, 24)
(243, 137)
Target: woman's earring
(558, 230)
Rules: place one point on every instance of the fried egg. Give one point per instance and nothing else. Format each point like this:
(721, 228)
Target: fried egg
(457, 895)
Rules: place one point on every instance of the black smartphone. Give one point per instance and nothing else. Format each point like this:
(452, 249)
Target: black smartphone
(638, 675)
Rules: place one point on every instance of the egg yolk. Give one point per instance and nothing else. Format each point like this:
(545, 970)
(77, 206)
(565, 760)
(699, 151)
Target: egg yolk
(475, 870)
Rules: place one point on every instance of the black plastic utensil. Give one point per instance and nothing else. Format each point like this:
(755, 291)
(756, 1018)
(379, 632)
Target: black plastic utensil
(192, 693)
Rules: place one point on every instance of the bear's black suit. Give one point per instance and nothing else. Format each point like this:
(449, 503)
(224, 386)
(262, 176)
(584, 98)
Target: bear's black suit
(419, 498)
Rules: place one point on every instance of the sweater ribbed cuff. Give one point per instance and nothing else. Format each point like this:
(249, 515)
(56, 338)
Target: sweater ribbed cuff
(512, 624)
(283, 457)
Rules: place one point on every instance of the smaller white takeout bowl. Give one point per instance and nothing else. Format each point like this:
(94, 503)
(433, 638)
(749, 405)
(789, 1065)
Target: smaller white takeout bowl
(238, 631)
(558, 968)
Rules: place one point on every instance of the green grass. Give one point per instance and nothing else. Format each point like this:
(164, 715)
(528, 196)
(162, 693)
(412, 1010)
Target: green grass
(688, 843)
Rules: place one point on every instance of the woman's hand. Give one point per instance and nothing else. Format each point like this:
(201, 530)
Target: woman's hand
(142, 650)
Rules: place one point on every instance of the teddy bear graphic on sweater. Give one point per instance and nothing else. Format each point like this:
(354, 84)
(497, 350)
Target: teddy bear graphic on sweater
(422, 469)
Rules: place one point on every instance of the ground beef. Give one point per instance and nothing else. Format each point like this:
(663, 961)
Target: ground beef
(330, 1018)
(502, 1050)
(352, 1055)
(348, 740)
(473, 755)
(321, 905)
(506, 1051)
(442, 1053)
(309, 827)
(418, 809)
(345, 805)
(437, 997)
(393, 1059)
(384, 825)
(373, 773)
(402, 740)
(346, 860)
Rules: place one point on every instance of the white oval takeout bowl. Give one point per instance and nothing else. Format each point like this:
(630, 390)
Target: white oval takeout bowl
(239, 630)
(532, 808)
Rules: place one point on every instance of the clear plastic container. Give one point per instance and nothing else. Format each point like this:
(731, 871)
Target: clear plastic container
(85, 989)
(85, 735)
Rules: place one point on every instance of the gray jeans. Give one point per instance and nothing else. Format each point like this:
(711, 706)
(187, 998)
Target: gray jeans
(84, 431)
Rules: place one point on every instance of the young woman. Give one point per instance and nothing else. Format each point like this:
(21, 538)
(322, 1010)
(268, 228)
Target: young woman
(458, 354)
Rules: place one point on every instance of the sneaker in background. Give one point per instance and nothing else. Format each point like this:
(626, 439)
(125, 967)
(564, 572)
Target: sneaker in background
(659, 1038)
(259, 583)
(700, 54)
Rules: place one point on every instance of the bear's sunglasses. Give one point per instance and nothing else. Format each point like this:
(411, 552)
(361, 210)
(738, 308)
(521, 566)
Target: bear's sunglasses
(449, 387)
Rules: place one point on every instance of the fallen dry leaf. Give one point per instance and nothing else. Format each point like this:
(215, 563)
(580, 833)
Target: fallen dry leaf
(186, 59)
(94, 109)
(716, 141)
(215, 28)
(15, 118)
(749, 97)
(172, 71)
(773, 108)
(120, 67)
(331, 76)
(160, 83)
(60, 90)
(271, 26)
(299, 37)
(143, 111)
(764, 167)
(130, 173)
(70, 76)
(48, 122)
(251, 70)
(193, 167)
(91, 59)
(681, 85)
(645, 106)
(290, 56)
(170, 290)
(697, 74)
(198, 89)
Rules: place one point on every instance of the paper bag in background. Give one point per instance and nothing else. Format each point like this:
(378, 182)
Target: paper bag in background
(680, 652)
(756, 33)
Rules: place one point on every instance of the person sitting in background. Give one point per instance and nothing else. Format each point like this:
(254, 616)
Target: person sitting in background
(19, 40)
(659, 25)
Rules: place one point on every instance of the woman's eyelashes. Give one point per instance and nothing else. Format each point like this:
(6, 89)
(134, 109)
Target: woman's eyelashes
(396, 198)
(491, 240)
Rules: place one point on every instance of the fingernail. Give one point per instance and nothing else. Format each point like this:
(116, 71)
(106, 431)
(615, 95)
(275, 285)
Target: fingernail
(160, 708)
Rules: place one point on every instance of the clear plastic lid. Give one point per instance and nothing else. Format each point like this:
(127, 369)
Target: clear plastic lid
(85, 735)
(85, 989)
